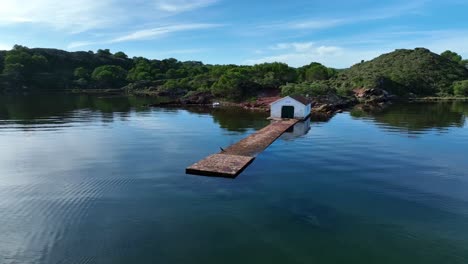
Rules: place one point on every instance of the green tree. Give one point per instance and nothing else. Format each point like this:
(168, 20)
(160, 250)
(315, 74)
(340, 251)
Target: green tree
(19, 55)
(316, 72)
(306, 89)
(141, 71)
(81, 73)
(14, 72)
(464, 63)
(234, 84)
(109, 76)
(21, 65)
(272, 75)
(461, 88)
(121, 55)
(104, 52)
(38, 62)
(451, 56)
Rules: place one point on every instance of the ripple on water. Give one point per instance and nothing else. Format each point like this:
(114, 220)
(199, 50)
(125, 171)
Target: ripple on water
(44, 215)
(120, 191)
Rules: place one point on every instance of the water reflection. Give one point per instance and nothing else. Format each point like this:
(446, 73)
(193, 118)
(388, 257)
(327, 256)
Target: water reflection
(69, 108)
(233, 119)
(239, 120)
(416, 118)
(52, 111)
(298, 130)
(46, 105)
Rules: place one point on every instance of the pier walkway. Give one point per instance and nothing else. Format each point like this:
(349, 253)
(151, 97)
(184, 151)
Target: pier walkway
(234, 159)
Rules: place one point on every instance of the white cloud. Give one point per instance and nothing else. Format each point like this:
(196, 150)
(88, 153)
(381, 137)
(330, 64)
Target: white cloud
(300, 53)
(296, 46)
(145, 34)
(182, 51)
(78, 44)
(161, 31)
(177, 6)
(303, 24)
(316, 24)
(77, 16)
(71, 15)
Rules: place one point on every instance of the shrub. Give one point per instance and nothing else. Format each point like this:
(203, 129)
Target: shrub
(461, 88)
(306, 89)
(109, 76)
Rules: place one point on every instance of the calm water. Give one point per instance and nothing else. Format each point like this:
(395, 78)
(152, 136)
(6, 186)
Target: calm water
(101, 180)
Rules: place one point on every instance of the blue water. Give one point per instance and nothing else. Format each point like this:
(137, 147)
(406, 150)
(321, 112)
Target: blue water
(101, 180)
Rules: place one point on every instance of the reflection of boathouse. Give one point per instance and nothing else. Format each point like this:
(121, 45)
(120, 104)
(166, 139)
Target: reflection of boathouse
(297, 107)
(298, 130)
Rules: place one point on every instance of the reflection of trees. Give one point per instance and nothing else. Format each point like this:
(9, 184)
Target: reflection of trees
(61, 108)
(417, 117)
(58, 105)
(239, 120)
(233, 118)
(460, 107)
(31, 107)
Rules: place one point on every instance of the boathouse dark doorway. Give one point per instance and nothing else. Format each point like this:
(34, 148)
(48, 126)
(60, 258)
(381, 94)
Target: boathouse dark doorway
(287, 111)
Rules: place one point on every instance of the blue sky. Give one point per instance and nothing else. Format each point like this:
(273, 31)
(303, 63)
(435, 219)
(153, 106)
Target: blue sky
(336, 33)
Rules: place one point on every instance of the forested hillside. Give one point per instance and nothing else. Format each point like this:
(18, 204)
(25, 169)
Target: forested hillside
(401, 72)
(417, 71)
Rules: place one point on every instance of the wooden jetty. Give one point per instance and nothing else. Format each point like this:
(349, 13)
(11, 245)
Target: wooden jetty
(234, 159)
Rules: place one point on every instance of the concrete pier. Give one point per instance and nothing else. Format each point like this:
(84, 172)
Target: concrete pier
(234, 159)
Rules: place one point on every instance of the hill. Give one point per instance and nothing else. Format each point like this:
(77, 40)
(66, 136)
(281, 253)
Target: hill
(404, 71)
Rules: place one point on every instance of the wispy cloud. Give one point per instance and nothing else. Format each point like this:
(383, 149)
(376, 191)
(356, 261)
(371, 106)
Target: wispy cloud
(299, 53)
(182, 51)
(411, 7)
(79, 44)
(161, 31)
(316, 24)
(177, 6)
(175, 53)
(297, 46)
(145, 34)
(304, 24)
(359, 47)
(307, 47)
(74, 16)
(331, 58)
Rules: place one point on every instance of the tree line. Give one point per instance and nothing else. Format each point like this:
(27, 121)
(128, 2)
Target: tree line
(418, 71)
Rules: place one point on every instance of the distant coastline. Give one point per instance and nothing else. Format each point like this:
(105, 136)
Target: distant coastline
(405, 74)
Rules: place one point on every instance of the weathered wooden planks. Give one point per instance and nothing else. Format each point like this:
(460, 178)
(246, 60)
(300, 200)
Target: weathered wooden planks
(233, 160)
(260, 140)
(222, 165)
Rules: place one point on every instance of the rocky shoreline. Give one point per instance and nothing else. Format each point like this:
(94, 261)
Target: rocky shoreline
(322, 106)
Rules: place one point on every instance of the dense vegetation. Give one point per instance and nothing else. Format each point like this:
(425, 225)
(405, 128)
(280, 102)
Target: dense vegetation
(461, 88)
(402, 72)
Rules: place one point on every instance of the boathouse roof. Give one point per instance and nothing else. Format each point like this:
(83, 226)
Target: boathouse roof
(301, 99)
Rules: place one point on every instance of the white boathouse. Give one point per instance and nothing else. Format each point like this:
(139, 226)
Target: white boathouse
(297, 107)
